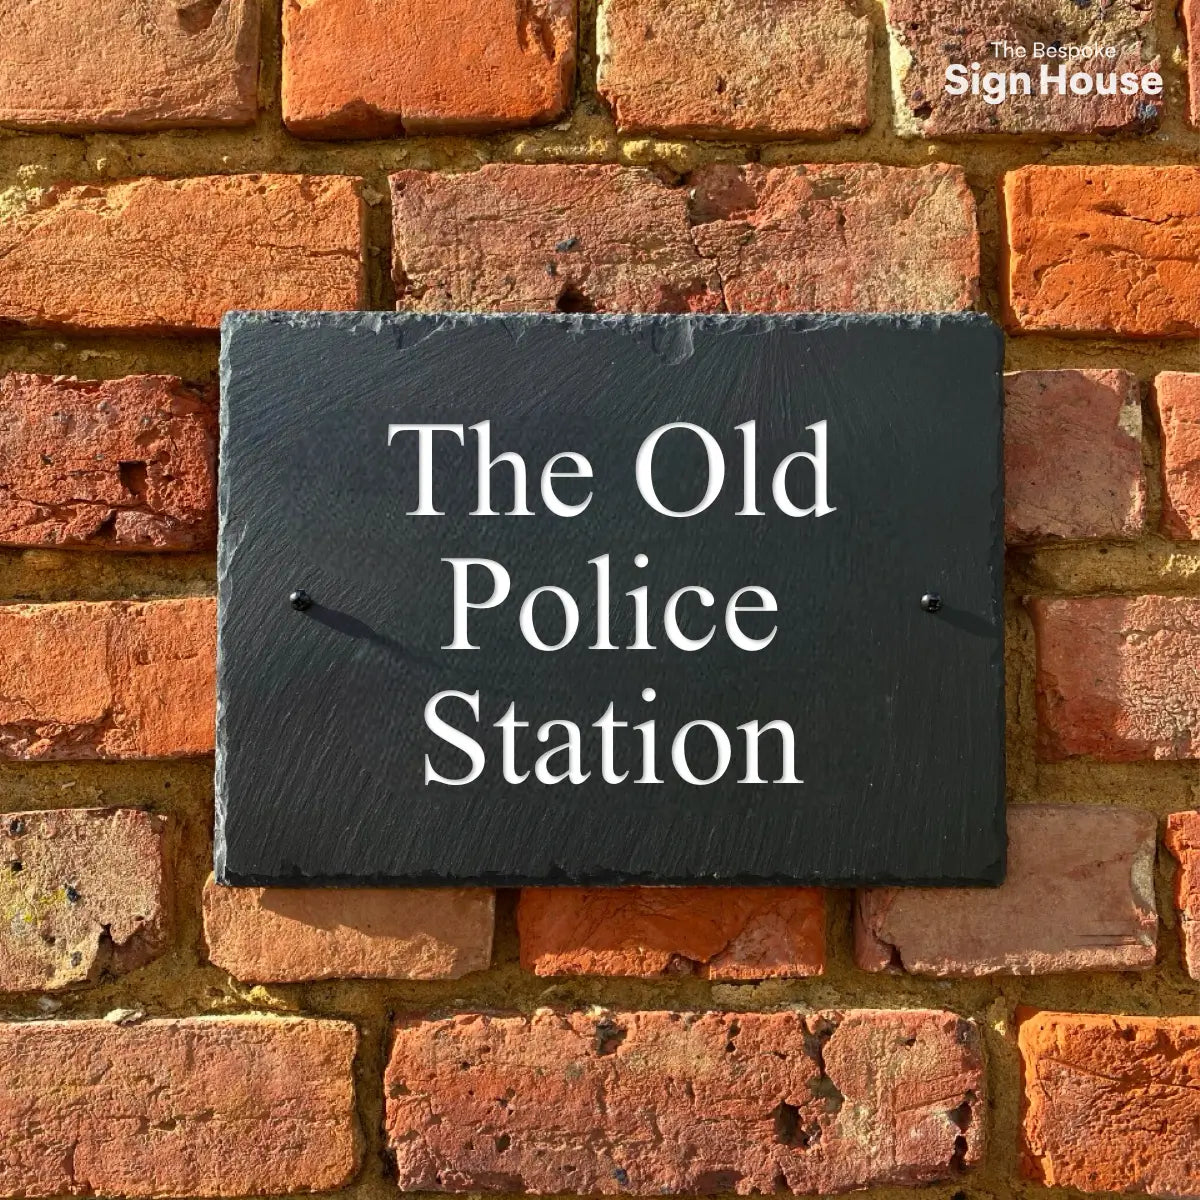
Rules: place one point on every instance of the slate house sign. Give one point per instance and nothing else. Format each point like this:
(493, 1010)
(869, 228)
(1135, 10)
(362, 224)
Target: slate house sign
(580, 599)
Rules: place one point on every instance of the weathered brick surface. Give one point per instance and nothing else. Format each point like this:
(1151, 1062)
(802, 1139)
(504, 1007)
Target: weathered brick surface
(1183, 841)
(1177, 397)
(927, 36)
(108, 680)
(357, 68)
(537, 238)
(1111, 1103)
(1190, 12)
(656, 1103)
(855, 237)
(716, 933)
(1096, 250)
(1073, 456)
(1117, 679)
(175, 254)
(858, 237)
(233, 1106)
(116, 65)
(83, 894)
(717, 68)
(1078, 896)
(287, 935)
(123, 464)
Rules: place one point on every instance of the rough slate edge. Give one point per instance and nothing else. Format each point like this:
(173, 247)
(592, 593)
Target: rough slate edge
(675, 347)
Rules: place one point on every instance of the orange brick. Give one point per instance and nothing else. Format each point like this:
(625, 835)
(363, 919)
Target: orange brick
(1117, 679)
(668, 1103)
(372, 68)
(175, 254)
(125, 464)
(1099, 250)
(1177, 396)
(205, 1106)
(793, 68)
(287, 935)
(118, 679)
(1111, 1103)
(716, 933)
(116, 65)
(1189, 10)
(1183, 841)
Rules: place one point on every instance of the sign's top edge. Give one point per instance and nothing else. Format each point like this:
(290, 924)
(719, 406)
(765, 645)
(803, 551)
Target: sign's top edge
(375, 321)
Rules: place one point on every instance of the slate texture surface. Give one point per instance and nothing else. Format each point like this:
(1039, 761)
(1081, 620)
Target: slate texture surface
(898, 712)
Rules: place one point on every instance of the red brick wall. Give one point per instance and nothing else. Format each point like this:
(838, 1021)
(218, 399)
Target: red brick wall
(160, 1036)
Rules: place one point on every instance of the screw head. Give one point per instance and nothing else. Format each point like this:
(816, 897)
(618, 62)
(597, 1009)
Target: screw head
(300, 600)
(931, 602)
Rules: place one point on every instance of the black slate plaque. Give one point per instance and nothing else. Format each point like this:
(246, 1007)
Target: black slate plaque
(466, 693)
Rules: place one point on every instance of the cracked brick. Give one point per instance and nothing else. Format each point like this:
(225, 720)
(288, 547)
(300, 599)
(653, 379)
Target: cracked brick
(515, 238)
(716, 933)
(160, 255)
(83, 893)
(355, 68)
(1110, 1102)
(852, 237)
(109, 680)
(718, 68)
(125, 464)
(1073, 456)
(1104, 250)
(648, 1103)
(122, 66)
(1078, 896)
(204, 1106)
(1116, 677)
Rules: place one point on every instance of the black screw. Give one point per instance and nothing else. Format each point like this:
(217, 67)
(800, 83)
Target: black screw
(931, 602)
(300, 600)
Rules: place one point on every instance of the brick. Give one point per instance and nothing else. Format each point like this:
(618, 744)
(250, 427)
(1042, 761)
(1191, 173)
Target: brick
(288, 935)
(359, 68)
(1183, 841)
(715, 933)
(115, 680)
(926, 36)
(1100, 250)
(228, 1106)
(1177, 398)
(123, 464)
(116, 65)
(1078, 896)
(1116, 677)
(1190, 12)
(175, 254)
(82, 893)
(1111, 1103)
(662, 1103)
(859, 237)
(1073, 456)
(855, 237)
(540, 238)
(795, 68)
